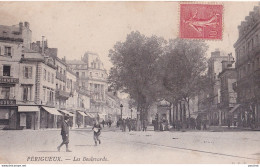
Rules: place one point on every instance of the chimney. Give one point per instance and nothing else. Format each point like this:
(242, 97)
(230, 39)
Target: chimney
(42, 44)
(26, 24)
(21, 27)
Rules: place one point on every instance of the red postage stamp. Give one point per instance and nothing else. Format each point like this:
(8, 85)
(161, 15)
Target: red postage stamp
(201, 21)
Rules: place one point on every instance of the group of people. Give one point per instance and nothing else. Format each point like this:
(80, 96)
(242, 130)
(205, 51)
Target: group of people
(108, 123)
(132, 124)
(65, 133)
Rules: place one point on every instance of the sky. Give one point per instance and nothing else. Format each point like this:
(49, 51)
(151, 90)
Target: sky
(77, 27)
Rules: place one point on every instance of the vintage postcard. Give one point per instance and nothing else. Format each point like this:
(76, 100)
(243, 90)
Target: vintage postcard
(129, 82)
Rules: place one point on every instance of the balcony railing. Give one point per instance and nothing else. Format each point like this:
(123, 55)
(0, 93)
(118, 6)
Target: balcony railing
(61, 77)
(83, 90)
(50, 103)
(62, 94)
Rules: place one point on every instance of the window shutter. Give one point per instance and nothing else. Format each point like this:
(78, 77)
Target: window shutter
(12, 71)
(12, 92)
(23, 72)
(1, 70)
(1, 95)
(2, 50)
(12, 51)
(30, 72)
(29, 93)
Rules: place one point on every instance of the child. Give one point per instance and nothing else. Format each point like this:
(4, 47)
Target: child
(97, 131)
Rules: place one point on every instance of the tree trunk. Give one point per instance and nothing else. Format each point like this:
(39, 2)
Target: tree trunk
(188, 101)
(170, 114)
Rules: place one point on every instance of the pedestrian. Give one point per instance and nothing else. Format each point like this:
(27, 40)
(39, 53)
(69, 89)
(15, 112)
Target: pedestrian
(145, 125)
(65, 134)
(124, 125)
(97, 131)
(103, 123)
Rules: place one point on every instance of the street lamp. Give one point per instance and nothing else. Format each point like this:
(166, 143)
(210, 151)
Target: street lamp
(121, 106)
(131, 113)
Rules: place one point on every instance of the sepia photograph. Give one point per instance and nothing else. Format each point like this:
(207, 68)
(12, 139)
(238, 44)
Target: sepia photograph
(129, 82)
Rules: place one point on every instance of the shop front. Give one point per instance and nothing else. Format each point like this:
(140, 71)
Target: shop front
(50, 118)
(8, 117)
(28, 117)
(80, 119)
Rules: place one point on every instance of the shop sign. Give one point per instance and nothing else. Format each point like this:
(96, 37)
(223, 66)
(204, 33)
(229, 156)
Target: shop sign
(7, 102)
(9, 80)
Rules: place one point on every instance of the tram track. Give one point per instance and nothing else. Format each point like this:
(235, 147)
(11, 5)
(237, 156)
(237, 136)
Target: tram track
(176, 147)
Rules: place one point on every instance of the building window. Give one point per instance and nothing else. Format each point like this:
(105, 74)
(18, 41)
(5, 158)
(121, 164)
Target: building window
(8, 51)
(26, 93)
(44, 75)
(83, 74)
(27, 72)
(6, 70)
(51, 96)
(49, 77)
(90, 74)
(68, 83)
(52, 78)
(44, 94)
(5, 92)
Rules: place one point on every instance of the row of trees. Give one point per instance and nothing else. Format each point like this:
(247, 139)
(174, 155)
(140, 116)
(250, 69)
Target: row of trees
(151, 69)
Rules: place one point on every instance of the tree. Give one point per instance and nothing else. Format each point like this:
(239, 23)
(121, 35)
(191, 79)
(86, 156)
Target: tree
(184, 65)
(135, 67)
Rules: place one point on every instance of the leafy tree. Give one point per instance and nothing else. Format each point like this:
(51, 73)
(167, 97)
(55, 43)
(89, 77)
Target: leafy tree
(184, 65)
(135, 67)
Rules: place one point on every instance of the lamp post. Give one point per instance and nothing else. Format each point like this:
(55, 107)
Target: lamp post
(121, 106)
(131, 113)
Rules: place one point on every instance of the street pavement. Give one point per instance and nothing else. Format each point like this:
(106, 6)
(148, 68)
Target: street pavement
(190, 147)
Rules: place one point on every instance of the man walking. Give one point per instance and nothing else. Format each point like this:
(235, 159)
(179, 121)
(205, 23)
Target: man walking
(97, 131)
(65, 134)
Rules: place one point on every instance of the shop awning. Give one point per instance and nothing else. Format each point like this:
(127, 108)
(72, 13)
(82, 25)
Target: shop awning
(66, 112)
(52, 110)
(234, 108)
(82, 113)
(90, 115)
(28, 108)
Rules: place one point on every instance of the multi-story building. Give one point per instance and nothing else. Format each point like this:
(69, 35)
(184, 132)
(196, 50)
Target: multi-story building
(248, 70)
(210, 99)
(227, 94)
(113, 106)
(11, 45)
(92, 77)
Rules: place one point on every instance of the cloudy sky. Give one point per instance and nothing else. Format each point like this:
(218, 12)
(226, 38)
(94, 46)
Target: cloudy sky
(77, 27)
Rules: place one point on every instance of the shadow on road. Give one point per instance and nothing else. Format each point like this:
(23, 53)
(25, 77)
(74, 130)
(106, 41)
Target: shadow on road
(88, 145)
(48, 151)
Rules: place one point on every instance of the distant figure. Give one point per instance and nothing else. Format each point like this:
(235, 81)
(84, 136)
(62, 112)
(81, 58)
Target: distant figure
(123, 125)
(145, 122)
(65, 134)
(97, 131)
(103, 123)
